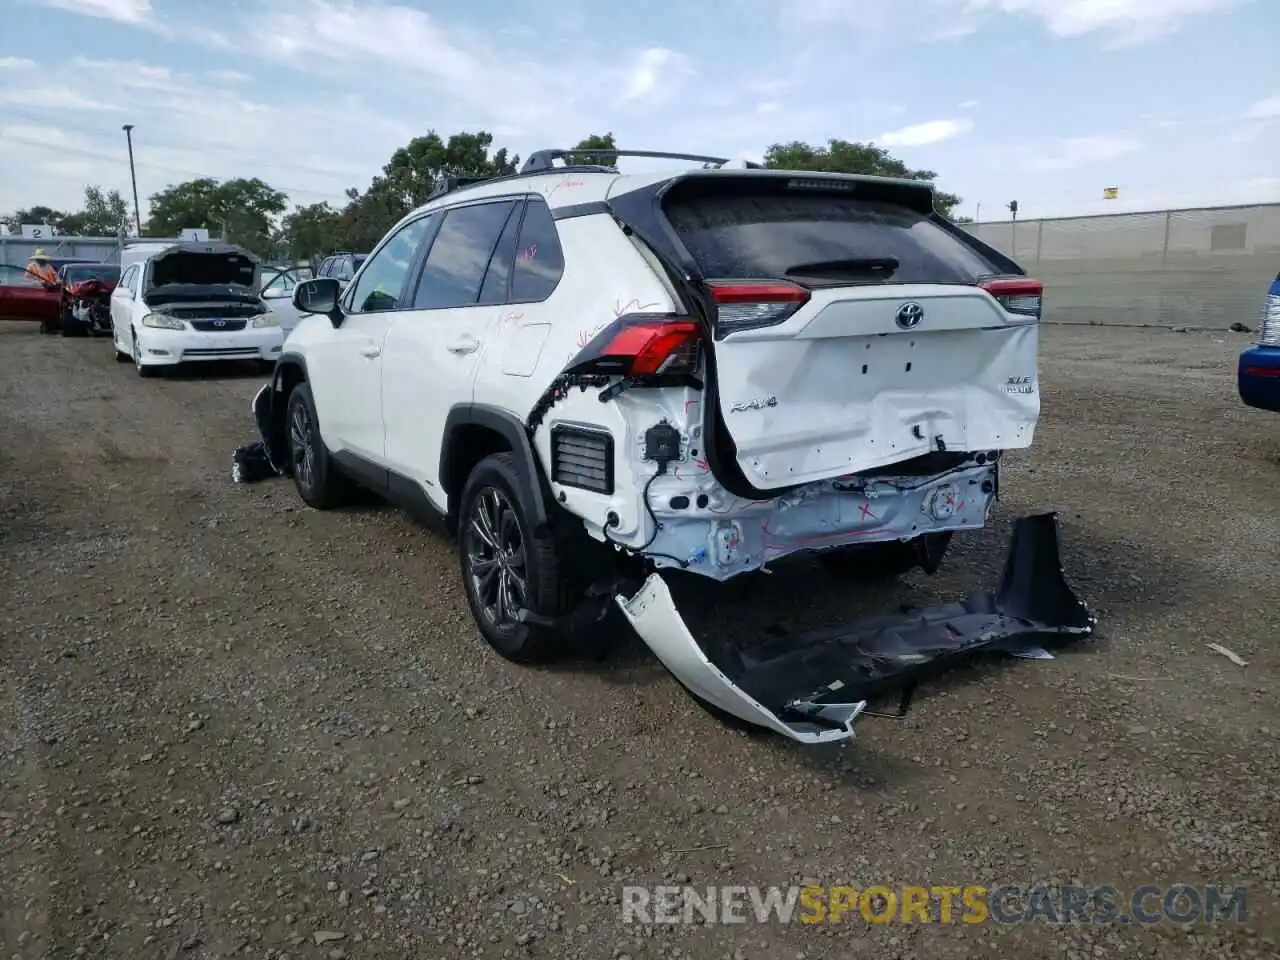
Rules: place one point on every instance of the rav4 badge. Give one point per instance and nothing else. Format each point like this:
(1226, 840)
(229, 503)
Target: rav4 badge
(759, 403)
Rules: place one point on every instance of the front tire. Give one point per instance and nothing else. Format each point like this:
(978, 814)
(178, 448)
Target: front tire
(143, 370)
(505, 569)
(319, 482)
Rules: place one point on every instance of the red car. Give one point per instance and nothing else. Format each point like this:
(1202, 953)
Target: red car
(22, 297)
(85, 307)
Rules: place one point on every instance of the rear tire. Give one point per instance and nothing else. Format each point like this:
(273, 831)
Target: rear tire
(884, 561)
(505, 568)
(319, 482)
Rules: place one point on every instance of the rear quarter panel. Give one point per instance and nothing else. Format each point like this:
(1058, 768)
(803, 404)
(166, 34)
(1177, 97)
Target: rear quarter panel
(604, 277)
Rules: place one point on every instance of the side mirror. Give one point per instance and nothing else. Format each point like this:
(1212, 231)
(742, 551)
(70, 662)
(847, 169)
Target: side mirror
(319, 296)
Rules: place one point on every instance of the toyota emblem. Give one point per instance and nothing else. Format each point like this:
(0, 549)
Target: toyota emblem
(909, 316)
(223, 323)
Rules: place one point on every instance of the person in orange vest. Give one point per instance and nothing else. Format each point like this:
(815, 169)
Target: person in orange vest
(41, 269)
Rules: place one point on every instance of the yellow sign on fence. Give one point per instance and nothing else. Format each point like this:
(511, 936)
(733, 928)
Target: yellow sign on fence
(1110, 193)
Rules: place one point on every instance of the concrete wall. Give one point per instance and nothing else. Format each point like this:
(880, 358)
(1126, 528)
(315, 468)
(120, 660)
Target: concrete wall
(1201, 268)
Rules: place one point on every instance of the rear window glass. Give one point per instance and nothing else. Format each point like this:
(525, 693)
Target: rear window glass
(93, 272)
(755, 237)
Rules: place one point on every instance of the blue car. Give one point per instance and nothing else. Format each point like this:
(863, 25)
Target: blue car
(1258, 374)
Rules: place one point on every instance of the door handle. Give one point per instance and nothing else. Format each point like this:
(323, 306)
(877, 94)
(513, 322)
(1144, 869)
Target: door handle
(372, 351)
(465, 345)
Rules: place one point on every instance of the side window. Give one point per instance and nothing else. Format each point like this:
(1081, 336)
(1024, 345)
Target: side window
(497, 279)
(130, 279)
(383, 280)
(460, 255)
(539, 258)
(324, 267)
(342, 268)
(12, 276)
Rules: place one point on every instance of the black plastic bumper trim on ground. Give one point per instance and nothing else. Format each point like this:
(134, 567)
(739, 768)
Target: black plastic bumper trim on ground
(867, 659)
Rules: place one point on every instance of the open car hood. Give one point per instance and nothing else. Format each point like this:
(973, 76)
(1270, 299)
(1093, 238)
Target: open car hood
(214, 264)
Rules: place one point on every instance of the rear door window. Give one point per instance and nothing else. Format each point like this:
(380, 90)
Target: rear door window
(820, 237)
(497, 279)
(460, 255)
(539, 257)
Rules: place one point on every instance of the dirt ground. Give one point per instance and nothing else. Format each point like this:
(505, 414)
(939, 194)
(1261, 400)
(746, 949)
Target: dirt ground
(230, 724)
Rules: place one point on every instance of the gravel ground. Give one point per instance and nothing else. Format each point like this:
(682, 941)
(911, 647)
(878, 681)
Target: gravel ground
(231, 725)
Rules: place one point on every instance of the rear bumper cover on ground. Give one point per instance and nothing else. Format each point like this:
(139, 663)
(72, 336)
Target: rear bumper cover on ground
(813, 687)
(1258, 378)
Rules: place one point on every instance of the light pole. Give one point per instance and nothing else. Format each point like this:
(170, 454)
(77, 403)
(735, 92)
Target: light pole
(133, 176)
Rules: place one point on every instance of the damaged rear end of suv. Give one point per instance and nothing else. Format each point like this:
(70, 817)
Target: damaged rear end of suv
(821, 363)
(618, 386)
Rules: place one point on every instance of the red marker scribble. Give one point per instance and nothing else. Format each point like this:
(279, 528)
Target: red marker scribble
(527, 254)
(619, 308)
(586, 336)
(510, 318)
(565, 185)
(866, 512)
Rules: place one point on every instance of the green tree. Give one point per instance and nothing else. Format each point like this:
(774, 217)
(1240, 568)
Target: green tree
(104, 215)
(595, 141)
(241, 210)
(841, 156)
(311, 230)
(406, 182)
(36, 214)
(411, 173)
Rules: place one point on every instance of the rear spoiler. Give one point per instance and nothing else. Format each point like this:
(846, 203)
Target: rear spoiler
(915, 195)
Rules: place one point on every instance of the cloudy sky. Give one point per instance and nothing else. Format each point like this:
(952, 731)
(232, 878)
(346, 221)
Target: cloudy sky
(1176, 102)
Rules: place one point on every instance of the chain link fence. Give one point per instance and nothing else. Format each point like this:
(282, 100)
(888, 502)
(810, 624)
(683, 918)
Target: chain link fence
(1209, 267)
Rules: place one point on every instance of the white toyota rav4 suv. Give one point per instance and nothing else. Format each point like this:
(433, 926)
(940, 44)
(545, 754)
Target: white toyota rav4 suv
(686, 373)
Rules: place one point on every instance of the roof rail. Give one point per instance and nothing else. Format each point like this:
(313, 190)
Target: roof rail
(541, 161)
(448, 184)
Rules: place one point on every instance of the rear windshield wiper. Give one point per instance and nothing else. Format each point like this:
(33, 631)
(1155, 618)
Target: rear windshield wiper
(875, 268)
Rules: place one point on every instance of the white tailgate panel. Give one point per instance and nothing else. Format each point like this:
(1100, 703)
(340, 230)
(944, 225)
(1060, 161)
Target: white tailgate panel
(839, 388)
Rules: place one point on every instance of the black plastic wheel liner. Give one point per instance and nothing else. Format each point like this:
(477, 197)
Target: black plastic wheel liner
(1033, 605)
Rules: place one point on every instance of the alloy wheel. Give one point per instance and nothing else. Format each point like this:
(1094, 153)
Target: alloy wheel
(302, 446)
(495, 551)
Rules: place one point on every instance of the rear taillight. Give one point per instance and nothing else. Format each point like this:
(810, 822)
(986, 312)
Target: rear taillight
(748, 304)
(1269, 322)
(660, 347)
(1018, 295)
(641, 345)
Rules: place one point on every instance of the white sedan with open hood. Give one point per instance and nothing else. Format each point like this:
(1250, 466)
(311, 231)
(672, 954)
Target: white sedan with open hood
(191, 302)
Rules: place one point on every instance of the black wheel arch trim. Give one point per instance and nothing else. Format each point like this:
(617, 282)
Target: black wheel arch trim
(279, 408)
(535, 490)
